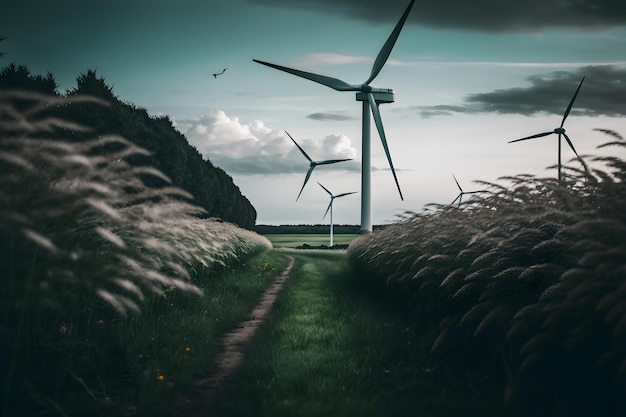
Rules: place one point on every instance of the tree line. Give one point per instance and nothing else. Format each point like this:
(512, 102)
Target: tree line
(303, 229)
(212, 188)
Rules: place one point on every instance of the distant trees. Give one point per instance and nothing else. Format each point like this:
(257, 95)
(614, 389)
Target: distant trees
(88, 83)
(302, 229)
(171, 153)
(20, 78)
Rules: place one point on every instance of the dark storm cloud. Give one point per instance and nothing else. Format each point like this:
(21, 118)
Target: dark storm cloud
(602, 93)
(330, 116)
(483, 15)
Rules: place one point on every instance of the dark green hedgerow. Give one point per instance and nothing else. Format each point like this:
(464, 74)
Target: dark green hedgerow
(86, 240)
(527, 279)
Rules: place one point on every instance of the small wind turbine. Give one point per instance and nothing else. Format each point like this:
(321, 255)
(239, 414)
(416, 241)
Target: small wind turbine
(561, 131)
(312, 163)
(371, 98)
(462, 193)
(330, 207)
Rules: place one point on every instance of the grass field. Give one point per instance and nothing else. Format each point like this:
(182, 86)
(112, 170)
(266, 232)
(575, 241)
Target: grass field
(333, 347)
(293, 240)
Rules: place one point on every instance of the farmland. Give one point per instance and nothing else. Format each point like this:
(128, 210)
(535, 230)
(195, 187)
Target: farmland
(294, 240)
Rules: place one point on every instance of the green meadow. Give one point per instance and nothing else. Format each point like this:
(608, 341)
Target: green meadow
(334, 347)
(294, 240)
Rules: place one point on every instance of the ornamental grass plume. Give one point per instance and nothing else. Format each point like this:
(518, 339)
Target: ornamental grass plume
(528, 278)
(89, 232)
(77, 215)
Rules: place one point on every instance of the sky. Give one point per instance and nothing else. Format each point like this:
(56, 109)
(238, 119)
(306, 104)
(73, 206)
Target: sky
(468, 77)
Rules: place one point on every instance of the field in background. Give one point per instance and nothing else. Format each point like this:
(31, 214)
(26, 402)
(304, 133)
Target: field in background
(293, 240)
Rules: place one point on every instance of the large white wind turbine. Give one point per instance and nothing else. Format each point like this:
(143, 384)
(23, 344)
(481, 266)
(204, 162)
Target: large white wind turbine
(312, 163)
(371, 98)
(330, 207)
(560, 131)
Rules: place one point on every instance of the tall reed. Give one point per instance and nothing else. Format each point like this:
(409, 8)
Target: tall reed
(84, 239)
(526, 279)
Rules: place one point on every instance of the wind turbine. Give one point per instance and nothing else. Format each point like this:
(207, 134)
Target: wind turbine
(371, 98)
(330, 207)
(462, 193)
(313, 163)
(560, 131)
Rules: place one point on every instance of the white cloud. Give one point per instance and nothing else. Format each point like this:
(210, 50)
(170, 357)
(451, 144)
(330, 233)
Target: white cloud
(253, 148)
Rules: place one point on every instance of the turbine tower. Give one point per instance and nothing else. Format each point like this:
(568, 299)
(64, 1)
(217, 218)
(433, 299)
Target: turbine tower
(561, 131)
(312, 163)
(330, 207)
(371, 98)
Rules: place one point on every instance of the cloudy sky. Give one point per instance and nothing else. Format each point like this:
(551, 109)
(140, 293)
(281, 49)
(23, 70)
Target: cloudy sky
(468, 77)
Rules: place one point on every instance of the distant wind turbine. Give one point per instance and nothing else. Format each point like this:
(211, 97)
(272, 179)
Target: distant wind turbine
(462, 193)
(371, 98)
(219, 73)
(561, 131)
(312, 163)
(330, 207)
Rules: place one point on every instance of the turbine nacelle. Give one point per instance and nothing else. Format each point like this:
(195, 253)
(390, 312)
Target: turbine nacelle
(559, 130)
(381, 95)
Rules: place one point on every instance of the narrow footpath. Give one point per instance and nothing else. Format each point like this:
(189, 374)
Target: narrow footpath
(234, 345)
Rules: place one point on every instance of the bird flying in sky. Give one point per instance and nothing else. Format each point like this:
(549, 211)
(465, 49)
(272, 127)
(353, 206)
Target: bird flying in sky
(219, 73)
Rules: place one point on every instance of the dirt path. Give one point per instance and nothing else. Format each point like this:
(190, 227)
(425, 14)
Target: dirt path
(234, 345)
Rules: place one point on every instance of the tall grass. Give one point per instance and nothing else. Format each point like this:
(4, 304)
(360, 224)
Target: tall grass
(527, 280)
(84, 241)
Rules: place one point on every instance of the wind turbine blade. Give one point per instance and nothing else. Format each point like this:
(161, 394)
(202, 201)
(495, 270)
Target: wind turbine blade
(571, 145)
(332, 161)
(331, 82)
(301, 150)
(539, 135)
(345, 194)
(457, 183)
(457, 197)
(381, 132)
(571, 103)
(326, 189)
(384, 53)
(329, 206)
(306, 179)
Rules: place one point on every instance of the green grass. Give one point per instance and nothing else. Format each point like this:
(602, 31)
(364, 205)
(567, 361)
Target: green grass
(333, 347)
(186, 336)
(107, 366)
(293, 240)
